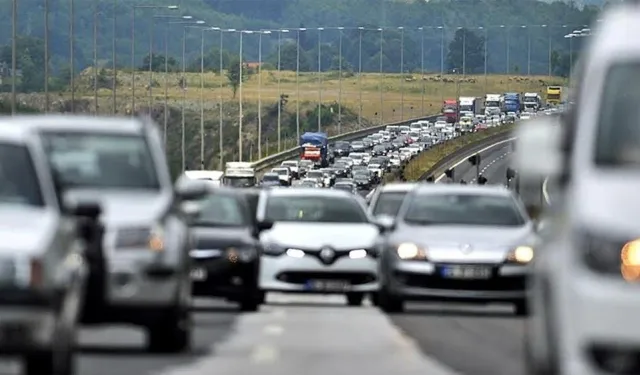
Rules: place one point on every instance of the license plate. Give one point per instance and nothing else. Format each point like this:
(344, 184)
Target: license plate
(198, 274)
(327, 285)
(466, 272)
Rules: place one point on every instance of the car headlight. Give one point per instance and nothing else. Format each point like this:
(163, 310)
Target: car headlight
(273, 250)
(141, 237)
(611, 256)
(521, 255)
(411, 251)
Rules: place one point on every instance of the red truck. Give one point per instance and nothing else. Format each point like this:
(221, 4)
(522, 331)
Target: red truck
(450, 110)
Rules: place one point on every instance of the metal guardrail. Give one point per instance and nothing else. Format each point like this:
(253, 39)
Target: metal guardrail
(274, 160)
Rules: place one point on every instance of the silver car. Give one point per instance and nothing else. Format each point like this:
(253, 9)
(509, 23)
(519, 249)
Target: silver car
(457, 242)
(43, 264)
(387, 199)
(322, 241)
(146, 240)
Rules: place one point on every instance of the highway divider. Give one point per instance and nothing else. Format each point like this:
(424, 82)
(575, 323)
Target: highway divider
(274, 160)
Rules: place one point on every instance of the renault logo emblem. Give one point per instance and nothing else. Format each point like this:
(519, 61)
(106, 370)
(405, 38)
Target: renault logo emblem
(466, 249)
(327, 254)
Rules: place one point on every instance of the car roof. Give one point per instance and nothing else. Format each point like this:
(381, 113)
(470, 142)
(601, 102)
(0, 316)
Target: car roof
(495, 190)
(29, 123)
(397, 187)
(293, 192)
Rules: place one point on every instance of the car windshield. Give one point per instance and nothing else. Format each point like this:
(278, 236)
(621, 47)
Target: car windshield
(270, 177)
(290, 164)
(347, 187)
(340, 165)
(314, 208)
(239, 181)
(463, 209)
(342, 145)
(101, 160)
(281, 172)
(356, 156)
(315, 174)
(221, 210)
(19, 181)
(308, 183)
(306, 163)
(617, 143)
(357, 144)
(388, 203)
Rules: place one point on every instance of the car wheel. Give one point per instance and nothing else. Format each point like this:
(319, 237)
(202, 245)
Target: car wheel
(390, 303)
(172, 334)
(51, 362)
(355, 299)
(250, 302)
(521, 308)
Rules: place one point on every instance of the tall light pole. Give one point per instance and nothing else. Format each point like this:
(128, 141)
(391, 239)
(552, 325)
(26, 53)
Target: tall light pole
(401, 73)
(114, 64)
(298, 82)
(508, 50)
(528, 29)
(220, 103)
(570, 37)
(548, 47)
(133, 47)
(46, 56)
(260, 33)
(14, 62)
(381, 30)
(486, 57)
(240, 112)
(441, 62)
(464, 51)
(340, 29)
(360, 28)
(320, 78)
(279, 90)
(95, 56)
(422, 68)
(71, 55)
(202, 135)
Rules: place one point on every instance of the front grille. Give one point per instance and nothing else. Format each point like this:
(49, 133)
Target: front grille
(436, 282)
(302, 277)
(614, 359)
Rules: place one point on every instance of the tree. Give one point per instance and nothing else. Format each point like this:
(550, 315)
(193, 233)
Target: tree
(288, 58)
(158, 63)
(472, 45)
(233, 74)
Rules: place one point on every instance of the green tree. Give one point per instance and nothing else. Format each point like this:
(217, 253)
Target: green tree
(30, 62)
(289, 57)
(158, 63)
(466, 50)
(234, 76)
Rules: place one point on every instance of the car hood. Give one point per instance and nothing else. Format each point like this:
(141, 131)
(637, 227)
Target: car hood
(317, 235)
(464, 243)
(129, 207)
(25, 230)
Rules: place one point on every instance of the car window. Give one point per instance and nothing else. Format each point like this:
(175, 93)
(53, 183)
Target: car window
(270, 177)
(98, 160)
(221, 210)
(19, 183)
(463, 209)
(388, 203)
(618, 135)
(322, 209)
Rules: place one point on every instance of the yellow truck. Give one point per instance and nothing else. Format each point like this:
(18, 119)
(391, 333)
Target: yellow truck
(554, 95)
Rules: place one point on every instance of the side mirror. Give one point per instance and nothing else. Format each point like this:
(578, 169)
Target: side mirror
(385, 224)
(189, 190)
(82, 208)
(510, 173)
(260, 227)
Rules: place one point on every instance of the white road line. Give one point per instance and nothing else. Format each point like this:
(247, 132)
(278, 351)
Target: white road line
(464, 159)
(265, 354)
(273, 330)
(545, 190)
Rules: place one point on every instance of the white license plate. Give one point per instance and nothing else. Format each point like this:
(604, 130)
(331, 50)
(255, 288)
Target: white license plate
(198, 274)
(327, 285)
(466, 272)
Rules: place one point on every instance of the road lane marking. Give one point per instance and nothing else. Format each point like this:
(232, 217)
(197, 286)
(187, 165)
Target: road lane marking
(273, 330)
(477, 152)
(545, 190)
(265, 354)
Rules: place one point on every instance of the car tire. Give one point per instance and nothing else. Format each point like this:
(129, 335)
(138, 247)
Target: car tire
(50, 362)
(521, 308)
(251, 301)
(355, 299)
(390, 303)
(171, 334)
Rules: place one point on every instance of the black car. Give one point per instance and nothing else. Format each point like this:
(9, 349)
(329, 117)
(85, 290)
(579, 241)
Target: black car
(346, 186)
(362, 180)
(226, 251)
(271, 179)
(379, 150)
(357, 146)
(342, 169)
(341, 148)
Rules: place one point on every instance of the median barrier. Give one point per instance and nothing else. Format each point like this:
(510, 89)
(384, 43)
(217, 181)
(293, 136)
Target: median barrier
(274, 160)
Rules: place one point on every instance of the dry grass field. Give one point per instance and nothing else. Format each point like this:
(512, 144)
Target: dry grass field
(389, 97)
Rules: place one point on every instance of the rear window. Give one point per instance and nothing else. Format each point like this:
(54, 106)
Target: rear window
(389, 203)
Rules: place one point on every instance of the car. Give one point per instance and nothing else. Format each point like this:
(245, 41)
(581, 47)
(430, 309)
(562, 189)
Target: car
(310, 182)
(322, 241)
(284, 173)
(357, 157)
(270, 179)
(466, 243)
(346, 186)
(341, 148)
(387, 199)
(53, 254)
(316, 175)
(146, 236)
(225, 257)
(294, 167)
(303, 167)
(363, 180)
(342, 169)
(357, 146)
(376, 170)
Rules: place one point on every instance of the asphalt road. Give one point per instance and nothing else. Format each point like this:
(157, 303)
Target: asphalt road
(471, 339)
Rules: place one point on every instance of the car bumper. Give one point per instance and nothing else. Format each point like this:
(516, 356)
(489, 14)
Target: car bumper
(597, 318)
(287, 274)
(221, 277)
(26, 329)
(421, 281)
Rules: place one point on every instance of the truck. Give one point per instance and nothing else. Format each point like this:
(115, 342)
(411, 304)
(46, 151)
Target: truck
(554, 95)
(239, 174)
(314, 147)
(492, 104)
(469, 105)
(511, 102)
(531, 101)
(450, 110)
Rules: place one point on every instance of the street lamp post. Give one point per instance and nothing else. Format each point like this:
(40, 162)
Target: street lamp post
(526, 27)
(340, 29)
(486, 57)
(72, 55)
(422, 69)
(95, 56)
(441, 62)
(260, 33)
(220, 103)
(298, 82)
(279, 91)
(401, 73)
(320, 78)
(14, 62)
(240, 111)
(360, 28)
(464, 52)
(202, 135)
(114, 66)
(381, 30)
(133, 47)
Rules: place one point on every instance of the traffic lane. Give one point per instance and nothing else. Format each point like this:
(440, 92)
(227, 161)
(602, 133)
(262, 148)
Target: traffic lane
(472, 340)
(121, 350)
(467, 172)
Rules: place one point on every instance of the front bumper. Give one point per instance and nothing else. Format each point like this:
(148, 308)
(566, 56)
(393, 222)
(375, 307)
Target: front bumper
(224, 277)
(286, 274)
(416, 280)
(26, 329)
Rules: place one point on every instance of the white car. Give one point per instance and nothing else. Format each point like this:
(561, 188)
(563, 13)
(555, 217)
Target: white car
(284, 174)
(584, 292)
(357, 157)
(395, 160)
(322, 242)
(348, 161)
(415, 149)
(294, 167)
